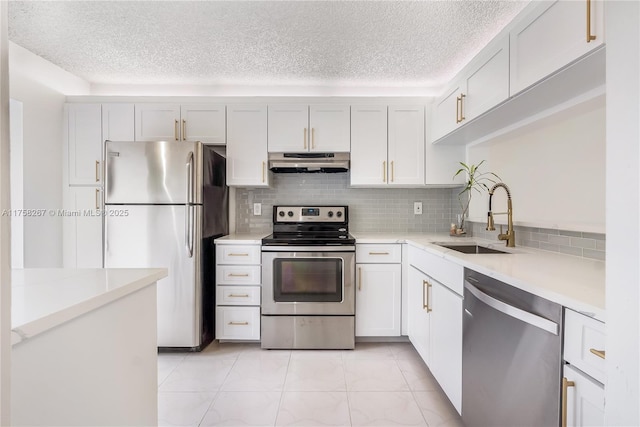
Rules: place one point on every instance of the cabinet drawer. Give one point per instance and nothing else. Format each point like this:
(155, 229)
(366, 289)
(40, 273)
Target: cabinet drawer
(581, 335)
(238, 323)
(238, 254)
(379, 254)
(446, 272)
(238, 295)
(238, 274)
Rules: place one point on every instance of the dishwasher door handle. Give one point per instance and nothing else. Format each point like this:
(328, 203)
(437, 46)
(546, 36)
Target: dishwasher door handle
(516, 313)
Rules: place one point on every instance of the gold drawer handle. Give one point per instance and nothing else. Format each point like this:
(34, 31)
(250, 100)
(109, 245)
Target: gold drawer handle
(378, 253)
(239, 296)
(238, 275)
(599, 353)
(565, 385)
(239, 323)
(590, 37)
(238, 254)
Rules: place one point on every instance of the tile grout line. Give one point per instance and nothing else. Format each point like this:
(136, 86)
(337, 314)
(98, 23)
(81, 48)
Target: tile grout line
(275, 422)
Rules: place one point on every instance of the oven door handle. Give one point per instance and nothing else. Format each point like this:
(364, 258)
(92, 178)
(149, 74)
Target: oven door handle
(320, 248)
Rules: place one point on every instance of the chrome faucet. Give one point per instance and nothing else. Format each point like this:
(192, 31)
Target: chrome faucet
(510, 237)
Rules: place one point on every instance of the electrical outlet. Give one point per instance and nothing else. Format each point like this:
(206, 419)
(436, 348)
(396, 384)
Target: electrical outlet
(257, 209)
(417, 208)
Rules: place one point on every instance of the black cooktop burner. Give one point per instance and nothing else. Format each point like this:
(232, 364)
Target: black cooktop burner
(308, 239)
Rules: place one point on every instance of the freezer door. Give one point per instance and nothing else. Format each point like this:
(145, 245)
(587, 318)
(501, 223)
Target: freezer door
(162, 236)
(160, 172)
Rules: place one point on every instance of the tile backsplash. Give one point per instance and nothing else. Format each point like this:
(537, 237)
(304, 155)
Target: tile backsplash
(370, 209)
(389, 210)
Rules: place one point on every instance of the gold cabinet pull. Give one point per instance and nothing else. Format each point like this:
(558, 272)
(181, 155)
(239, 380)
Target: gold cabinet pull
(184, 130)
(175, 130)
(359, 278)
(457, 109)
(590, 37)
(429, 308)
(305, 138)
(313, 138)
(238, 275)
(378, 253)
(239, 296)
(565, 385)
(239, 323)
(393, 172)
(234, 254)
(425, 292)
(263, 168)
(97, 171)
(97, 199)
(384, 171)
(599, 353)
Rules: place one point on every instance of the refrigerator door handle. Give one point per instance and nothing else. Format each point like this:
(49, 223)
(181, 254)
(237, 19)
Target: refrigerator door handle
(190, 177)
(188, 229)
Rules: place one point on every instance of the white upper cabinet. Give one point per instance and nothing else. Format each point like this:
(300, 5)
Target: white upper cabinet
(84, 139)
(247, 146)
(174, 122)
(552, 36)
(369, 162)
(118, 122)
(295, 128)
(406, 145)
(203, 122)
(487, 84)
(483, 86)
(157, 122)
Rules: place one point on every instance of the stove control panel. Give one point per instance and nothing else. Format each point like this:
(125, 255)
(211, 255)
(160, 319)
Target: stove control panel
(290, 214)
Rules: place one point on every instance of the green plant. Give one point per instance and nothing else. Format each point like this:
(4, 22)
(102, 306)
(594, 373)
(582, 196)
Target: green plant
(476, 181)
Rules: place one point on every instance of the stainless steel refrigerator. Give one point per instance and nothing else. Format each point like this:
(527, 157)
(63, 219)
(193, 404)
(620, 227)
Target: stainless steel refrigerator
(165, 203)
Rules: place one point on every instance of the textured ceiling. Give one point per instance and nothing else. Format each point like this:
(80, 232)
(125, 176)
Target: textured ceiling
(333, 43)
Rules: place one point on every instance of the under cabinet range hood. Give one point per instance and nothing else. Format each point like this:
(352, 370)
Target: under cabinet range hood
(308, 162)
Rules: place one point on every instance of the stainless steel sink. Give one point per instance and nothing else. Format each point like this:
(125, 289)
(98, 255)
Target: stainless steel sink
(470, 248)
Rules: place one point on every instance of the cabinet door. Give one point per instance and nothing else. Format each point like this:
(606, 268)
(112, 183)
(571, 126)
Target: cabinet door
(118, 122)
(289, 128)
(247, 146)
(488, 84)
(203, 122)
(369, 145)
(585, 399)
(446, 112)
(157, 122)
(82, 231)
(552, 36)
(446, 341)
(84, 142)
(406, 145)
(418, 322)
(330, 126)
(378, 300)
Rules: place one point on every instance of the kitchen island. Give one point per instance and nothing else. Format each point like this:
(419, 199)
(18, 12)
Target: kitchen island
(84, 347)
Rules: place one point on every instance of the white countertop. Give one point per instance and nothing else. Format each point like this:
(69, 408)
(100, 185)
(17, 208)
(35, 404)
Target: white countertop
(574, 282)
(42, 299)
(241, 239)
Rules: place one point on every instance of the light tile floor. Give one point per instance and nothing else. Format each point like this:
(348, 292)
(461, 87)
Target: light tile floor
(377, 384)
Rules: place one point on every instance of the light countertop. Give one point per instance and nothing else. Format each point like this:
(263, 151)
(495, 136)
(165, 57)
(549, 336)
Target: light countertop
(42, 299)
(241, 239)
(574, 282)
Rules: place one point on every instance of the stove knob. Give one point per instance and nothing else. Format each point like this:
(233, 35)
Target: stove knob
(290, 213)
(330, 214)
(281, 213)
(339, 214)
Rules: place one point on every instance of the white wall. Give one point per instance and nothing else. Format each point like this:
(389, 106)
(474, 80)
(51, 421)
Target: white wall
(622, 391)
(555, 169)
(42, 88)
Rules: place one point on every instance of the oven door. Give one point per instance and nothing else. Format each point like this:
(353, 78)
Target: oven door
(307, 280)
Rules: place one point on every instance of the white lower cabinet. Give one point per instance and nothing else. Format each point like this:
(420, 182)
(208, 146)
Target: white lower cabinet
(238, 292)
(584, 398)
(583, 371)
(435, 320)
(378, 290)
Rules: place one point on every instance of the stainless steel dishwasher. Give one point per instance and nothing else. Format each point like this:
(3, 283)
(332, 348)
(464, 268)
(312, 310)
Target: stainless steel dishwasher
(511, 356)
